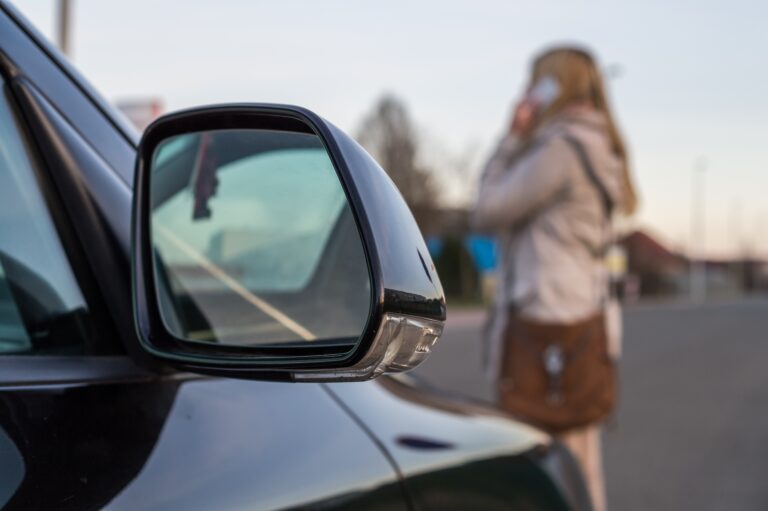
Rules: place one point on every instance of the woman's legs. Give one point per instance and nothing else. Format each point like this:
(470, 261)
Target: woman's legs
(584, 443)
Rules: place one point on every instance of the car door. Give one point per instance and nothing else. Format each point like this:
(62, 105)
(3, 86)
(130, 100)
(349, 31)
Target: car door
(81, 425)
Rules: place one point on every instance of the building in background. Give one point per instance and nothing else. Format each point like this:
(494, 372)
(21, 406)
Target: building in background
(141, 111)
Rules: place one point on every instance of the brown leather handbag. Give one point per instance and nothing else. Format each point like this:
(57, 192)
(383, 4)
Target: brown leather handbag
(557, 376)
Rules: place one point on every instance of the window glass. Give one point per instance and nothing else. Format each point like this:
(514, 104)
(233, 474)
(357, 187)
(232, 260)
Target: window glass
(41, 307)
(261, 226)
(255, 242)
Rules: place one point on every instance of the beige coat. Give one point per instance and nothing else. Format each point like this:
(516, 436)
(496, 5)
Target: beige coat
(549, 223)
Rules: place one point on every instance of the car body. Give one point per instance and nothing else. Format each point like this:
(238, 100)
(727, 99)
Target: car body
(93, 423)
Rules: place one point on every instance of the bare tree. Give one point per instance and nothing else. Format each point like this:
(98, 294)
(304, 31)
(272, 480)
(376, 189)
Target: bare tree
(389, 134)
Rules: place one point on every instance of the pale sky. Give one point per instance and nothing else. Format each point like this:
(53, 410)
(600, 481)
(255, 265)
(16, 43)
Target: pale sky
(692, 81)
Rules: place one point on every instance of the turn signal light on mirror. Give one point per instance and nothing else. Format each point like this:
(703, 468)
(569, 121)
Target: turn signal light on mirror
(402, 343)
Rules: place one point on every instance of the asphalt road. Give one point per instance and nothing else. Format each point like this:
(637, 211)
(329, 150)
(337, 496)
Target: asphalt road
(692, 427)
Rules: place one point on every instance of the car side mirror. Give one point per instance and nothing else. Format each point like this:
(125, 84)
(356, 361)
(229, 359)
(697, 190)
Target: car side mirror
(268, 244)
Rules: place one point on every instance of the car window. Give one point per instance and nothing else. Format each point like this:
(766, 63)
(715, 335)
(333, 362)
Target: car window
(42, 310)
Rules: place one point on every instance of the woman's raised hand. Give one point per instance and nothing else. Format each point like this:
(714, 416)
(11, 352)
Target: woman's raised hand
(523, 118)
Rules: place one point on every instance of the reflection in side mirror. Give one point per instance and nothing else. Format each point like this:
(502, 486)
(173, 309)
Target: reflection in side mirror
(254, 241)
(268, 244)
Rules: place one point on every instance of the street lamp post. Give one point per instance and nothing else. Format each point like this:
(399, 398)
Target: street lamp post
(698, 265)
(64, 25)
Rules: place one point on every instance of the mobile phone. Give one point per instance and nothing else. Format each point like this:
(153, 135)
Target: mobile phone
(544, 92)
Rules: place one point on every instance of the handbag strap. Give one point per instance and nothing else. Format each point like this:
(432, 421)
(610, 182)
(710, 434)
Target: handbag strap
(605, 198)
(607, 202)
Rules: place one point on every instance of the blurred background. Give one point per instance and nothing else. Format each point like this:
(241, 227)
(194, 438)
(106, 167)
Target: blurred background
(428, 87)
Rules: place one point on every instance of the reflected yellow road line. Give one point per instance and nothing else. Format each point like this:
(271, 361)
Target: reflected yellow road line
(235, 286)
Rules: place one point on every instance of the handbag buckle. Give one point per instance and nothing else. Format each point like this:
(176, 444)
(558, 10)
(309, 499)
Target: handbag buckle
(554, 363)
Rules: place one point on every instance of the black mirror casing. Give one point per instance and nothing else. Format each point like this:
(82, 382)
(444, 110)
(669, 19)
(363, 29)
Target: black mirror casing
(407, 301)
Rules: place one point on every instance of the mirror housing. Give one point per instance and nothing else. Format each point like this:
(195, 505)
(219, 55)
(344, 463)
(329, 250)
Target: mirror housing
(407, 309)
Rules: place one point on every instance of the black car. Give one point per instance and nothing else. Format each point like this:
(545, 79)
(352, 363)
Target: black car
(161, 300)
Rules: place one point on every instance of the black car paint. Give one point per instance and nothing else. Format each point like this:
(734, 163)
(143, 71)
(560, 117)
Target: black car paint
(117, 432)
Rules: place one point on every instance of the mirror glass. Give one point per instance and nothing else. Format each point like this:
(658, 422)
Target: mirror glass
(254, 241)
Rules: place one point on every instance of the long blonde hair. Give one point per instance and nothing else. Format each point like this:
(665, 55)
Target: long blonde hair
(581, 82)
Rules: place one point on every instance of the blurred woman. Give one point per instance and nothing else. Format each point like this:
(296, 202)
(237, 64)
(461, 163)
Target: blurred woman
(549, 193)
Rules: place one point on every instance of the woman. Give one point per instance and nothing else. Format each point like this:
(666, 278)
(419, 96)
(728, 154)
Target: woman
(548, 194)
